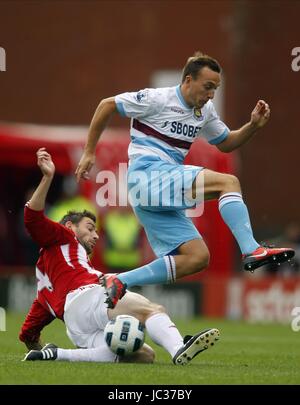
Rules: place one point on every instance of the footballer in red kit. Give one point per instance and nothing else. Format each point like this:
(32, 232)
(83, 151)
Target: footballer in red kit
(63, 265)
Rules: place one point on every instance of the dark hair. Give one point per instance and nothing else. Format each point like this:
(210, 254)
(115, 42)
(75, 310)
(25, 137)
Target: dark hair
(197, 62)
(76, 216)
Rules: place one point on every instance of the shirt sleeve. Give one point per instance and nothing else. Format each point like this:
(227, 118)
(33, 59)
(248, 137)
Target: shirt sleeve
(44, 231)
(214, 130)
(37, 318)
(139, 104)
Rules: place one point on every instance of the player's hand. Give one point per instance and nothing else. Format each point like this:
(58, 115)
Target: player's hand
(87, 161)
(45, 163)
(261, 114)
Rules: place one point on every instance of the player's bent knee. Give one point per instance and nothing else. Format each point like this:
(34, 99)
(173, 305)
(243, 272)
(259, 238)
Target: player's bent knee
(152, 309)
(160, 308)
(232, 182)
(135, 305)
(205, 260)
(200, 262)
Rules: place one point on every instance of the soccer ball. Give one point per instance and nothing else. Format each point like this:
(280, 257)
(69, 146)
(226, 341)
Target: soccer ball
(124, 335)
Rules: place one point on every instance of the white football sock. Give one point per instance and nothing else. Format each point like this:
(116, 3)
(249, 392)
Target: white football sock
(164, 332)
(98, 354)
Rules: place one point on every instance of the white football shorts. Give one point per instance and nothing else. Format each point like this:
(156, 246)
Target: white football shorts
(85, 317)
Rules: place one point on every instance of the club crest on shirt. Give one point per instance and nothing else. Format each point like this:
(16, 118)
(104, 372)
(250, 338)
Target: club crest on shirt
(198, 114)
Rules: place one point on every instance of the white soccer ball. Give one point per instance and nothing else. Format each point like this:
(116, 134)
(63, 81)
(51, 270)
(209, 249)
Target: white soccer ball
(124, 335)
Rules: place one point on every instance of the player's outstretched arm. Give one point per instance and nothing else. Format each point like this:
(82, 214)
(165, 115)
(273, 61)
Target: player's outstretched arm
(42, 230)
(103, 113)
(259, 117)
(44, 161)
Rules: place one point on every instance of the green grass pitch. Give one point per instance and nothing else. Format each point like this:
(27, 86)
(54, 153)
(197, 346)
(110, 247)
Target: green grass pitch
(245, 354)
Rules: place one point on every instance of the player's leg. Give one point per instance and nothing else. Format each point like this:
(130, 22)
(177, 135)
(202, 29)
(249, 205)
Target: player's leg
(234, 212)
(191, 257)
(99, 354)
(162, 329)
(158, 324)
(178, 244)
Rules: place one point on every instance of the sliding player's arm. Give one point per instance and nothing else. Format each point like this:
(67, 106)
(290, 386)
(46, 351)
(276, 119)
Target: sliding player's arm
(37, 318)
(42, 230)
(44, 161)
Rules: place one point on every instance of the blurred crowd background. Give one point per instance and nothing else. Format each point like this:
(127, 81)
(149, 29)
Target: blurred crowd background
(63, 57)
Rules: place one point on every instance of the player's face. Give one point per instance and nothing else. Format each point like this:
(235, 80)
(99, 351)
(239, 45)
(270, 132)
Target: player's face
(85, 232)
(203, 88)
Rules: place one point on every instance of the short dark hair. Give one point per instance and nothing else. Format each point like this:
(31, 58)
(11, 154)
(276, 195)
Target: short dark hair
(76, 216)
(197, 62)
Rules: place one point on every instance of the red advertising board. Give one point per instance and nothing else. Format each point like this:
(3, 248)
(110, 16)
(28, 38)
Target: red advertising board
(254, 299)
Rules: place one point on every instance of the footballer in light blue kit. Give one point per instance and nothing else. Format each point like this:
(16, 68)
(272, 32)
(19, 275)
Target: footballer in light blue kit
(163, 128)
(164, 124)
